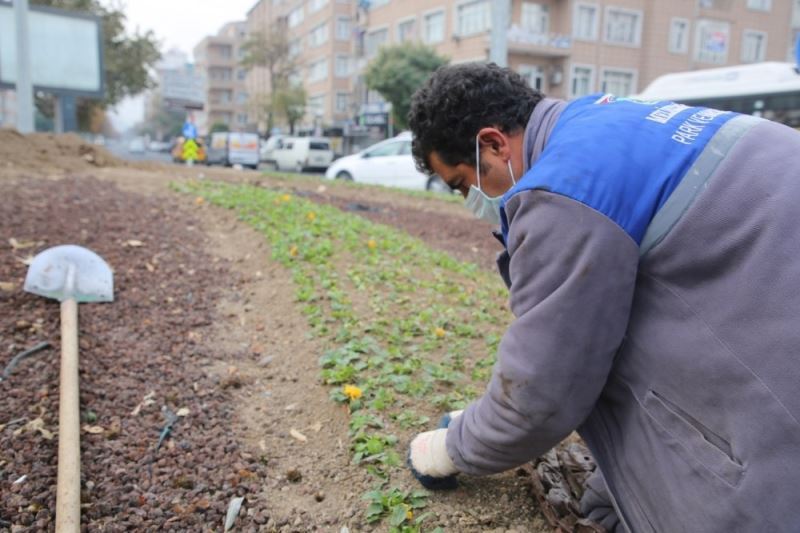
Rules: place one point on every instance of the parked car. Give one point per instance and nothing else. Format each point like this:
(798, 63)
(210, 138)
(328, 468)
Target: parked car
(230, 148)
(302, 153)
(136, 145)
(386, 163)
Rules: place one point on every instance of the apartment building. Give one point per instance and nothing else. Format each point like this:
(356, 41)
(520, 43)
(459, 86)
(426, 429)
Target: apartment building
(569, 48)
(218, 58)
(321, 41)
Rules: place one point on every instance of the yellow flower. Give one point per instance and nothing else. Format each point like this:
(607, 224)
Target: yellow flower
(439, 332)
(409, 512)
(352, 392)
(286, 197)
(371, 244)
(311, 216)
(293, 251)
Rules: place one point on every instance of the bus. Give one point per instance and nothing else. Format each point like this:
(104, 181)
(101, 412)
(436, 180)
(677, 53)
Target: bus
(770, 90)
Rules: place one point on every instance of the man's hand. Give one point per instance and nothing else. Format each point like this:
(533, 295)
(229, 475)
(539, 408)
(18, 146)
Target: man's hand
(428, 457)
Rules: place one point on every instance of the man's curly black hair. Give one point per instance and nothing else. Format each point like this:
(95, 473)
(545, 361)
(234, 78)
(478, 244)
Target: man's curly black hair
(457, 101)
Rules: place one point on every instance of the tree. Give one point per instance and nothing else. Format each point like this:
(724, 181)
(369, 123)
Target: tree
(291, 103)
(398, 71)
(127, 58)
(218, 127)
(270, 50)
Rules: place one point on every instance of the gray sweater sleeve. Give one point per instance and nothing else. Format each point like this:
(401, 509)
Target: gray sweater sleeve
(572, 273)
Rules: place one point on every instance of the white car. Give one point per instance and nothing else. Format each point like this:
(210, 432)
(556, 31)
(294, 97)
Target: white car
(301, 153)
(386, 163)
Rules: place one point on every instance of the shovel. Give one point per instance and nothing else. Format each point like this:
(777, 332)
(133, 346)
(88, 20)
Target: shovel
(70, 274)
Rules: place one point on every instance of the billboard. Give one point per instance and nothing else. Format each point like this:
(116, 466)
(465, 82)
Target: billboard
(65, 51)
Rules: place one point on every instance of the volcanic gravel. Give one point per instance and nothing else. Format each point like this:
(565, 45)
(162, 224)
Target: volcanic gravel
(149, 340)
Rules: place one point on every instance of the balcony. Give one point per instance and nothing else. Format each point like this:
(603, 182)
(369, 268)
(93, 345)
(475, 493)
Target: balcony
(521, 41)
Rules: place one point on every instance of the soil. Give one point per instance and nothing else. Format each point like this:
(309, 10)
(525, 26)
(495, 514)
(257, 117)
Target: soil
(203, 323)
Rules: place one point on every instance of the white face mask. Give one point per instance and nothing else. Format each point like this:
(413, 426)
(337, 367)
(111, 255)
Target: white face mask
(482, 205)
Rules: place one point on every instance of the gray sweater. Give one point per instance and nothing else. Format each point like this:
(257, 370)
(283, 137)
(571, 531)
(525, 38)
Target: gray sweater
(679, 368)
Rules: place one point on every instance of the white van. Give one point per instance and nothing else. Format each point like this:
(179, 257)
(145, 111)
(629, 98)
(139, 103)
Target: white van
(302, 153)
(233, 148)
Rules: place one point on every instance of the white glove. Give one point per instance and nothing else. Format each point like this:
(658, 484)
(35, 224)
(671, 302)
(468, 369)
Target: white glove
(428, 454)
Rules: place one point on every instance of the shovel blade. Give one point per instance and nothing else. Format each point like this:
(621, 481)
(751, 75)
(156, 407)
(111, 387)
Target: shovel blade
(70, 272)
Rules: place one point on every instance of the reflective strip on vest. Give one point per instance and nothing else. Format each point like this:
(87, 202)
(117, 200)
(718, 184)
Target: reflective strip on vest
(695, 180)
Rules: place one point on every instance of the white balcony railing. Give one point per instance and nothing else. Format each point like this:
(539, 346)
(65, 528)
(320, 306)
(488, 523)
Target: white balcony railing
(548, 44)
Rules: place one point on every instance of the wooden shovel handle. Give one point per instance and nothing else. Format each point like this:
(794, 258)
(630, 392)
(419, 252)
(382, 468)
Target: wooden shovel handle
(68, 492)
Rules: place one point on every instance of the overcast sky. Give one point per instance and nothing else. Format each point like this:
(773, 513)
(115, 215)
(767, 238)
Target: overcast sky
(177, 24)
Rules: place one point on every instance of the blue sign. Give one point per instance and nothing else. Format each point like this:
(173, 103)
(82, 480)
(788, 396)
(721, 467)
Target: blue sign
(797, 51)
(189, 130)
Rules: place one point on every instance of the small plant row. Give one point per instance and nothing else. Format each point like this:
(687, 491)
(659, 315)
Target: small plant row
(408, 328)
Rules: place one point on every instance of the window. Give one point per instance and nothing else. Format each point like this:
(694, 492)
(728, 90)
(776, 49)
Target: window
(434, 27)
(386, 149)
(241, 74)
(316, 5)
(296, 79)
(535, 18)
(754, 46)
(618, 82)
(623, 26)
(473, 17)
(241, 118)
(318, 70)
(241, 98)
(225, 97)
(342, 66)
(679, 36)
(375, 40)
(295, 47)
(406, 30)
(318, 35)
(316, 104)
(711, 41)
(343, 28)
(342, 102)
(534, 75)
(796, 14)
(296, 16)
(582, 81)
(585, 25)
(377, 3)
(759, 5)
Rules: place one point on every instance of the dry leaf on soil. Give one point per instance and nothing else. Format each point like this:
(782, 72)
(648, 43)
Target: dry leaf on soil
(21, 245)
(183, 411)
(133, 243)
(7, 286)
(297, 435)
(94, 430)
(37, 424)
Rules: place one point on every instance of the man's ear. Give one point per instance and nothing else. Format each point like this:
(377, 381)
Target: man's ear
(495, 140)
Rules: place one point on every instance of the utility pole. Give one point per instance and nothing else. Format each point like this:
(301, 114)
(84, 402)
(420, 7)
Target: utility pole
(498, 40)
(24, 85)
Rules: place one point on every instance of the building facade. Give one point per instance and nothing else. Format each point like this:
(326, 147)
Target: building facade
(217, 59)
(566, 48)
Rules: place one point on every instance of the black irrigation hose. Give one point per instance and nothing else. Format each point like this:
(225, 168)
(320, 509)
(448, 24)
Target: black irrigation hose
(19, 357)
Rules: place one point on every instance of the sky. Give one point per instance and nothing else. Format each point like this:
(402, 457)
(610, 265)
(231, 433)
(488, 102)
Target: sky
(177, 24)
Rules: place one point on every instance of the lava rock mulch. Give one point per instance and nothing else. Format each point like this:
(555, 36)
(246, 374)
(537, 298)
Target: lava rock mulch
(141, 360)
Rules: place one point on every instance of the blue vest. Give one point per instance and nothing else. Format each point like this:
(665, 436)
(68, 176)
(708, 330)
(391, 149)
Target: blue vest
(620, 156)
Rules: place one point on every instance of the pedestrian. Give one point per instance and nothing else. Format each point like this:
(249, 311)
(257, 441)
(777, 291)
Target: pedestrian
(651, 254)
